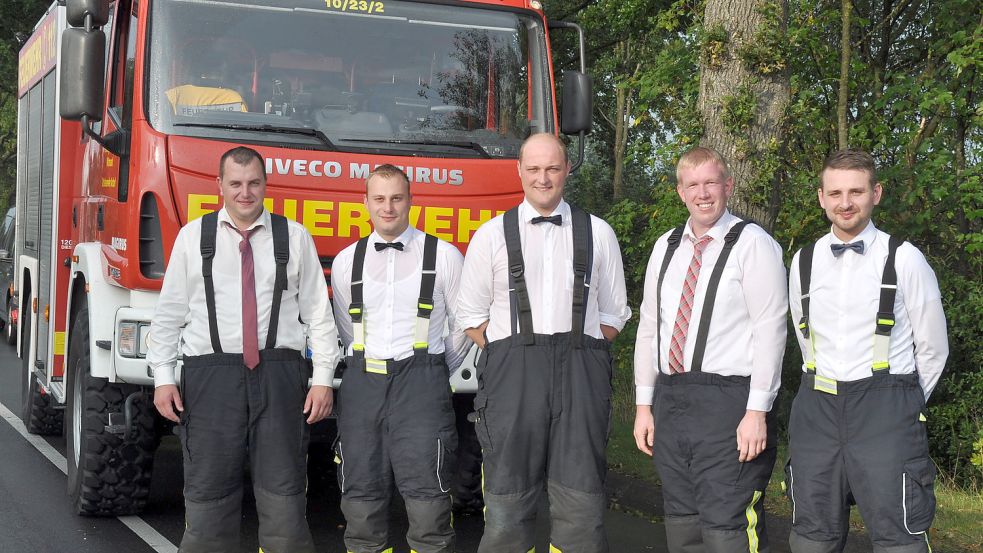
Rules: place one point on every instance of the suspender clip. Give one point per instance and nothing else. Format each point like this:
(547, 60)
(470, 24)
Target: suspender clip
(804, 326)
(355, 310)
(424, 308)
(885, 322)
(516, 270)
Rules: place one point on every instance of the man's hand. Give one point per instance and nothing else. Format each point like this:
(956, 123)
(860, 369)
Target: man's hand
(167, 399)
(644, 429)
(320, 400)
(609, 332)
(752, 435)
(477, 334)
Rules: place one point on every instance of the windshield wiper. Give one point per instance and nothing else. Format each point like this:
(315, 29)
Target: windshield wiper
(304, 131)
(474, 146)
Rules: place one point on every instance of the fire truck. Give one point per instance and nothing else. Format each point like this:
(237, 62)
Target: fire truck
(124, 108)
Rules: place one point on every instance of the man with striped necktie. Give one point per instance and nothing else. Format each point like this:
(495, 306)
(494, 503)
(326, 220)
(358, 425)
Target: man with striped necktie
(708, 357)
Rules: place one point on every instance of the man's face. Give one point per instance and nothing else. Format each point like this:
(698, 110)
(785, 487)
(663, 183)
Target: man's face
(704, 189)
(849, 199)
(388, 200)
(543, 170)
(243, 188)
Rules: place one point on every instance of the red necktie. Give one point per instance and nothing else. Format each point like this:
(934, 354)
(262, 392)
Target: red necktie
(679, 330)
(250, 339)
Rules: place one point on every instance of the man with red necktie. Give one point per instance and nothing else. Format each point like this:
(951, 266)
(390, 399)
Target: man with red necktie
(708, 357)
(235, 278)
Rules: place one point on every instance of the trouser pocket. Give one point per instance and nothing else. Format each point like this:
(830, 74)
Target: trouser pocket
(339, 459)
(787, 486)
(481, 423)
(918, 495)
(446, 459)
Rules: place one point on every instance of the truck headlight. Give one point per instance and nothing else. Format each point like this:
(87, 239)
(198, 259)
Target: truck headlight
(132, 339)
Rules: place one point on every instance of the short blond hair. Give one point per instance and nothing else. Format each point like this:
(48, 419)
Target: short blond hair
(697, 157)
(388, 171)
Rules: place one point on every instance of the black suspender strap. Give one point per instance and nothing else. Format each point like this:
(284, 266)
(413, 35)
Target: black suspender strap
(281, 253)
(583, 260)
(209, 227)
(805, 281)
(424, 305)
(357, 305)
(885, 309)
(518, 293)
(671, 246)
(718, 269)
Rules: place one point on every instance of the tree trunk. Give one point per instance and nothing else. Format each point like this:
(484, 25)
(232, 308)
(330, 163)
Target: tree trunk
(620, 139)
(751, 147)
(842, 129)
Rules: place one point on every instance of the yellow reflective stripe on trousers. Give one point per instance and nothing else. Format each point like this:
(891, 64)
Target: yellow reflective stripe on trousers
(554, 549)
(752, 523)
(377, 366)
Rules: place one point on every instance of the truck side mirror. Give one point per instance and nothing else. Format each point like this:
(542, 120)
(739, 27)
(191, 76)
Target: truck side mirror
(77, 10)
(82, 74)
(575, 115)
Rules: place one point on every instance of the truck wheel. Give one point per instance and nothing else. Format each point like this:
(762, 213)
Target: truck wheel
(108, 475)
(37, 410)
(11, 327)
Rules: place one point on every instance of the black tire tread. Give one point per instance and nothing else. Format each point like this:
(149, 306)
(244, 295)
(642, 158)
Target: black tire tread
(43, 418)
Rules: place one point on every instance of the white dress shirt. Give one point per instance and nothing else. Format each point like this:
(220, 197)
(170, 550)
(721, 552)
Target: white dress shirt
(180, 322)
(844, 296)
(748, 326)
(391, 288)
(547, 251)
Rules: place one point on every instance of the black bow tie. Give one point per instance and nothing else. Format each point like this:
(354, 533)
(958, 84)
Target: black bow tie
(379, 246)
(838, 249)
(555, 219)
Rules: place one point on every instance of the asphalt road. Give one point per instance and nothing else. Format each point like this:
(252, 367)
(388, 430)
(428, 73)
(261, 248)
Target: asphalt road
(35, 516)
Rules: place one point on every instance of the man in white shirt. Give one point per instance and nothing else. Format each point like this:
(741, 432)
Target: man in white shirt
(708, 357)
(237, 402)
(394, 290)
(873, 340)
(545, 297)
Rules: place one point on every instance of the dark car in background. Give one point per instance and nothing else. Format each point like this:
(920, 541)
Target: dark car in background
(8, 315)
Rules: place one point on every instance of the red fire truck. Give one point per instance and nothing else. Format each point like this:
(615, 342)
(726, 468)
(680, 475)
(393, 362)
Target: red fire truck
(124, 109)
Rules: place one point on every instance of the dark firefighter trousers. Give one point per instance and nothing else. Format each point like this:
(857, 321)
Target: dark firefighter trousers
(396, 428)
(233, 415)
(713, 502)
(543, 413)
(866, 445)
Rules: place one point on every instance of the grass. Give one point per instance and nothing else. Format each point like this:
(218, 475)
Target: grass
(958, 526)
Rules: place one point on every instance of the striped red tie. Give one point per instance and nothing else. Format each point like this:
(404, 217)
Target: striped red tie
(250, 334)
(679, 330)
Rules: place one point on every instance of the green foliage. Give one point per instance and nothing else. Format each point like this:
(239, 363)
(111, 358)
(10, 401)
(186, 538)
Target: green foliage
(714, 47)
(738, 111)
(766, 52)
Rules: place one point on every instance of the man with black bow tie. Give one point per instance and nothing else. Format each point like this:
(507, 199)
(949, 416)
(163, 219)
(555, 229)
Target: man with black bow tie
(394, 290)
(873, 337)
(545, 296)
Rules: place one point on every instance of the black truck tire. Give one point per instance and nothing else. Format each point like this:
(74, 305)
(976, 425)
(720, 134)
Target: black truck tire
(37, 410)
(108, 475)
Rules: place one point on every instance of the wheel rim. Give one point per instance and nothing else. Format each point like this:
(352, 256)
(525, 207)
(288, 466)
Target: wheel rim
(77, 416)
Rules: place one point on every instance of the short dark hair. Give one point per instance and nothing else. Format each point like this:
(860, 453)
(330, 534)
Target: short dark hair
(850, 160)
(389, 171)
(241, 155)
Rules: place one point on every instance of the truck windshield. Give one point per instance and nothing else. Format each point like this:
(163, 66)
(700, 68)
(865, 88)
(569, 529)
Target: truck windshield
(353, 75)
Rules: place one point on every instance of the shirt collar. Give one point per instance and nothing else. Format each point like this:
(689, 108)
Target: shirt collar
(262, 221)
(868, 236)
(527, 211)
(718, 231)
(405, 237)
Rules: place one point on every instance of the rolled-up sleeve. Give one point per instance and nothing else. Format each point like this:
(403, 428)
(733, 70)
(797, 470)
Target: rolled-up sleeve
(456, 343)
(612, 299)
(315, 310)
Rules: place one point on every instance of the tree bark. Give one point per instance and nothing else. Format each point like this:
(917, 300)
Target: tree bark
(842, 127)
(745, 149)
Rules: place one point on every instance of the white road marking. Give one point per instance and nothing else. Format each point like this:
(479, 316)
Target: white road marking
(144, 531)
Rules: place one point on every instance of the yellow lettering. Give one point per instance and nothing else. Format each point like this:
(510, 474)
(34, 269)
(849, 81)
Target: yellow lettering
(437, 219)
(317, 212)
(200, 204)
(466, 225)
(415, 215)
(353, 215)
(268, 204)
(109, 183)
(290, 209)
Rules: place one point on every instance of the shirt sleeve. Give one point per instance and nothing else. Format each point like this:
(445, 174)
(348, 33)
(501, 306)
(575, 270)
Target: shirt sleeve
(795, 302)
(923, 302)
(612, 299)
(645, 354)
(766, 296)
(170, 314)
(457, 343)
(341, 288)
(475, 300)
(315, 310)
